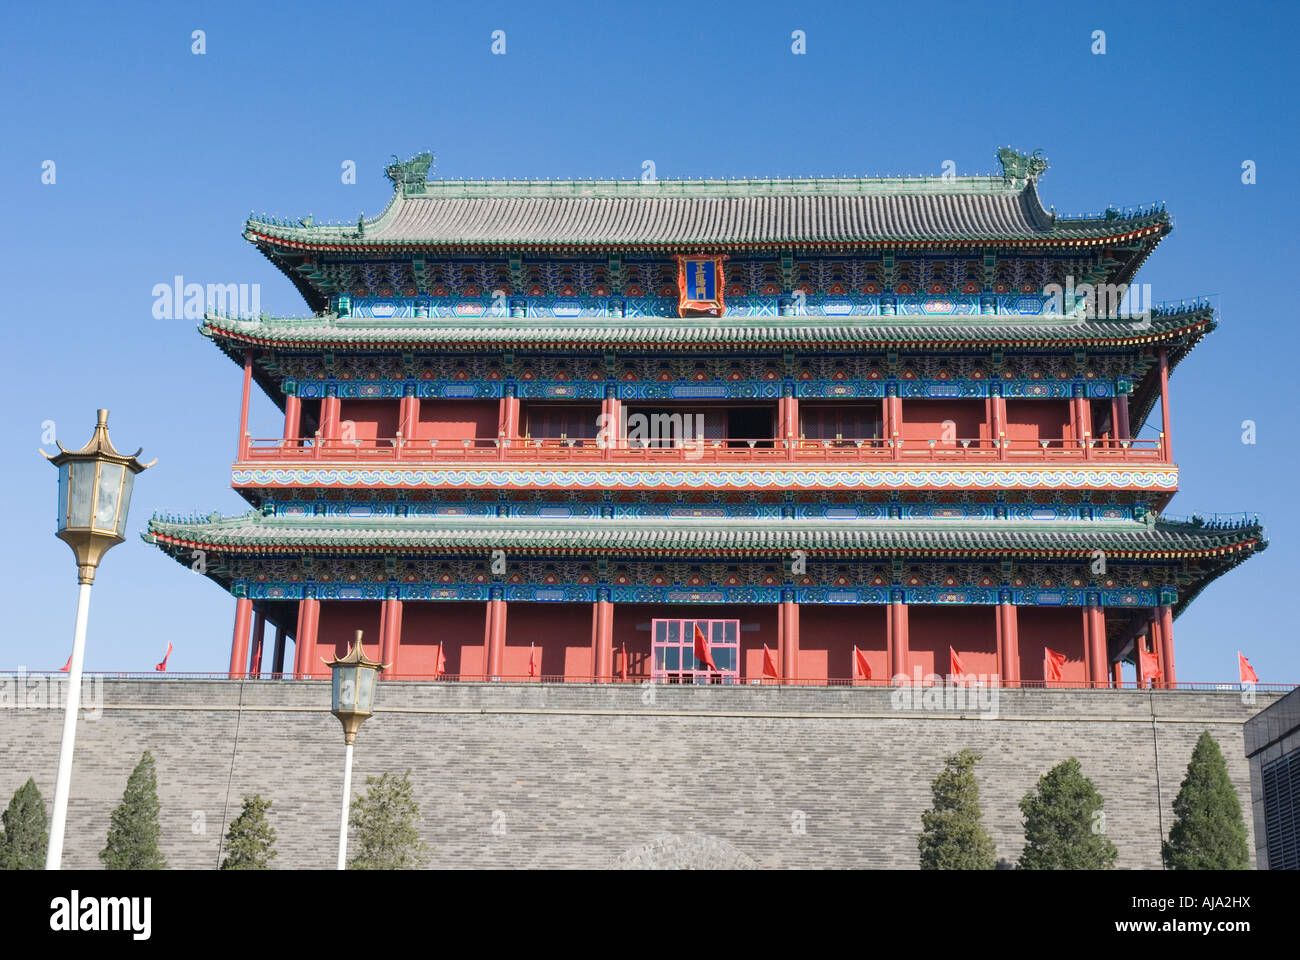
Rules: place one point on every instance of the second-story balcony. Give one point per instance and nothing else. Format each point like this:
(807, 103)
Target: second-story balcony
(972, 451)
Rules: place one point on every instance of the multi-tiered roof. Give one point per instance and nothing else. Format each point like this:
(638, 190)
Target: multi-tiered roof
(967, 312)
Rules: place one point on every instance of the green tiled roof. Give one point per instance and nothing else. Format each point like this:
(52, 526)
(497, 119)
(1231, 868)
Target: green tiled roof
(709, 214)
(763, 332)
(254, 532)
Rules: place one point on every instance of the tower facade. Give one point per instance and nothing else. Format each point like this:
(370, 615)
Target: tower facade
(781, 431)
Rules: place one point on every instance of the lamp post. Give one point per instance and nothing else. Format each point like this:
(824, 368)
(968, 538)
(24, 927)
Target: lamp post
(95, 485)
(355, 677)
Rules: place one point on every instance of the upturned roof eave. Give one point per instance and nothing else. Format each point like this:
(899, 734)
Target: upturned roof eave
(377, 335)
(255, 533)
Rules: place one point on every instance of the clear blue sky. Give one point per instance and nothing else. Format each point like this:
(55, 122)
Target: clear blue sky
(161, 153)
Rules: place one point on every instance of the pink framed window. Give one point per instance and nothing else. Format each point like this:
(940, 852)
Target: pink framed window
(673, 651)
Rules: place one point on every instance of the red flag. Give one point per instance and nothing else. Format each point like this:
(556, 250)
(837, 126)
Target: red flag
(1246, 670)
(1053, 665)
(67, 666)
(440, 665)
(532, 659)
(860, 661)
(1149, 666)
(769, 665)
(702, 651)
(958, 669)
(163, 666)
(624, 667)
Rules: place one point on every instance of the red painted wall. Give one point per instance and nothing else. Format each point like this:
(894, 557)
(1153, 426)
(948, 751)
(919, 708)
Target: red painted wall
(562, 633)
(458, 419)
(371, 419)
(827, 633)
(1060, 628)
(458, 625)
(339, 622)
(971, 631)
(923, 419)
(1032, 420)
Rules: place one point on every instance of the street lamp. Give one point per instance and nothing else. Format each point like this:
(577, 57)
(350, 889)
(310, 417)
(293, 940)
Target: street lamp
(355, 677)
(94, 496)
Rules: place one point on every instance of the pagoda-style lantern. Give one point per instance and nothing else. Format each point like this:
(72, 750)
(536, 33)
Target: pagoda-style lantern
(355, 677)
(95, 486)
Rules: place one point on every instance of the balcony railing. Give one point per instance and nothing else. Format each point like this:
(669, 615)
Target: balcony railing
(765, 450)
(640, 678)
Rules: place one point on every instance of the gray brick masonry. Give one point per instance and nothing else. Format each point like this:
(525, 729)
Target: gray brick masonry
(584, 775)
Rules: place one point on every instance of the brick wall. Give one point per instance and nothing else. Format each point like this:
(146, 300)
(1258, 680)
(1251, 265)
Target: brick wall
(576, 775)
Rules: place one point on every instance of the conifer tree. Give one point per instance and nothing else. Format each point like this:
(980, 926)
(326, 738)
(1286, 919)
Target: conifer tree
(250, 841)
(133, 831)
(386, 821)
(23, 842)
(1065, 827)
(1209, 832)
(953, 835)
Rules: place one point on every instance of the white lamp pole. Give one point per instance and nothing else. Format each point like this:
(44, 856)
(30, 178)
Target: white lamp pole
(347, 802)
(95, 485)
(63, 779)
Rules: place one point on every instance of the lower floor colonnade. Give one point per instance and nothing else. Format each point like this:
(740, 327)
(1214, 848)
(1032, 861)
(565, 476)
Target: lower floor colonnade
(785, 642)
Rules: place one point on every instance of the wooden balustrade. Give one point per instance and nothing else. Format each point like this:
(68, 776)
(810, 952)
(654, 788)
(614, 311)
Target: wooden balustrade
(765, 450)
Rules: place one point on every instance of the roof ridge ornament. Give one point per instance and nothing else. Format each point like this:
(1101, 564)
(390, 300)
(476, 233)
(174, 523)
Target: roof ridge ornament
(1018, 167)
(410, 176)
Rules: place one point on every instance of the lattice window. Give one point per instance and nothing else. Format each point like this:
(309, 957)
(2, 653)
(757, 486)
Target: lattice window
(673, 648)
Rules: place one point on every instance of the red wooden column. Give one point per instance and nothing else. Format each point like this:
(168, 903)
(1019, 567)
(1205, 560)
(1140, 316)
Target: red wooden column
(408, 415)
(1121, 418)
(788, 636)
(1164, 405)
(508, 421)
(787, 416)
(239, 646)
(495, 634)
(1094, 639)
(611, 409)
(1009, 622)
(243, 406)
(1083, 417)
(292, 417)
(896, 621)
(1165, 618)
(998, 428)
(512, 418)
(894, 423)
(259, 637)
(329, 418)
(1158, 648)
(603, 661)
(1087, 645)
(304, 641)
(886, 422)
(390, 634)
(1117, 675)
